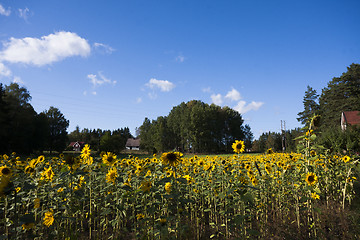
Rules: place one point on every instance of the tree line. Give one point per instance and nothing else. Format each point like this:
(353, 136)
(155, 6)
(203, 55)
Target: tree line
(22, 129)
(102, 140)
(195, 127)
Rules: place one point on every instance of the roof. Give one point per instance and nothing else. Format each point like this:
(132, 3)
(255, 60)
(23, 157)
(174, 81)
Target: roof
(352, 117)
(73, 143)
(133, 142)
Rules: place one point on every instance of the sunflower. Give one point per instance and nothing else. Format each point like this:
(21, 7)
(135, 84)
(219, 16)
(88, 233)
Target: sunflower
(109, 158)
(163, 221)
(268, 168)
(346, 159)
(270, 151)
(315, 196)
(311, 178)
(49, 218)
(4, 182)
(47, 174)
(145, 186)
(168, 187)
(238, 146)
(140, 216)
(41, 158)
(28, 226)
(85, 152)
(5, 172)
(171, 158)
(111, 175)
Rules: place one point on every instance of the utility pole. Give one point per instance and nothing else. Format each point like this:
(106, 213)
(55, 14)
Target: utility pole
(283, 132)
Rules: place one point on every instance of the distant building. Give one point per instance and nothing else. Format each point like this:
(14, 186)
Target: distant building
(349, 118)
(133, 144)
(77, 146)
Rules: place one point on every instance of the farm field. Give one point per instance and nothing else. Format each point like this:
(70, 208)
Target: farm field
(171, 196)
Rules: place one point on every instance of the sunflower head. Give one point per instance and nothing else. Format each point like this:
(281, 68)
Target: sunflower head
(109, 158)
(5, 172)
(168, 187)
(111, 175)
(238, 146)
(49, 218)
(171, 158)
(346, 159)
(311, 178)
(269, 151)
(85, 152)
(145, 186)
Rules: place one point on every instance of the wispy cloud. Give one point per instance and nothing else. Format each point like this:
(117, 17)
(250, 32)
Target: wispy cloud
(163, 85)
(103, 48)
(98, 80)
(180, 58)
(206, 90)
(4, 12)
(24, 13)
(45, 50)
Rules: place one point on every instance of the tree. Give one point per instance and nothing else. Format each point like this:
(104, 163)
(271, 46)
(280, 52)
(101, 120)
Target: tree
(57, 125)
(311, 106)
(194, 126)
(341, 94)
(18, 118)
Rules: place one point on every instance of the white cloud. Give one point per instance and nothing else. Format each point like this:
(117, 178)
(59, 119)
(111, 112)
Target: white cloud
(99, 80)
(104, 48)
(163, 85)
(206, 90)
(139, 100)
(233, 95)
(24, 13)
(242, 107)
(4, 12)
(17, 80)
(152, 95)
(180, 58)
(44, 50)
(4, 71)
(217, 99)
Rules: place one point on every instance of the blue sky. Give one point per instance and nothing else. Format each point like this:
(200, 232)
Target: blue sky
(110, 64)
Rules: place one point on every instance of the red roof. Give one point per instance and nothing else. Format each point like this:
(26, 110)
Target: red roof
(352, 117)
(73, 143)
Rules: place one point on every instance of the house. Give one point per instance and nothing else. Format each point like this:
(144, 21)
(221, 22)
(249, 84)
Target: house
(349, 118)
(133, 144)
(77, 146)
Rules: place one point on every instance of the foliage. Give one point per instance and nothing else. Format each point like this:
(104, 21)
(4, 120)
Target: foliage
(22, 129)
(195, 127)
(341, 94)
(102, 140)
(57, 125)
(311, 106)
(274, 140)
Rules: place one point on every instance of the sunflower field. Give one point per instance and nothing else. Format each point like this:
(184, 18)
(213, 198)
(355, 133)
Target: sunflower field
(242, 196)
